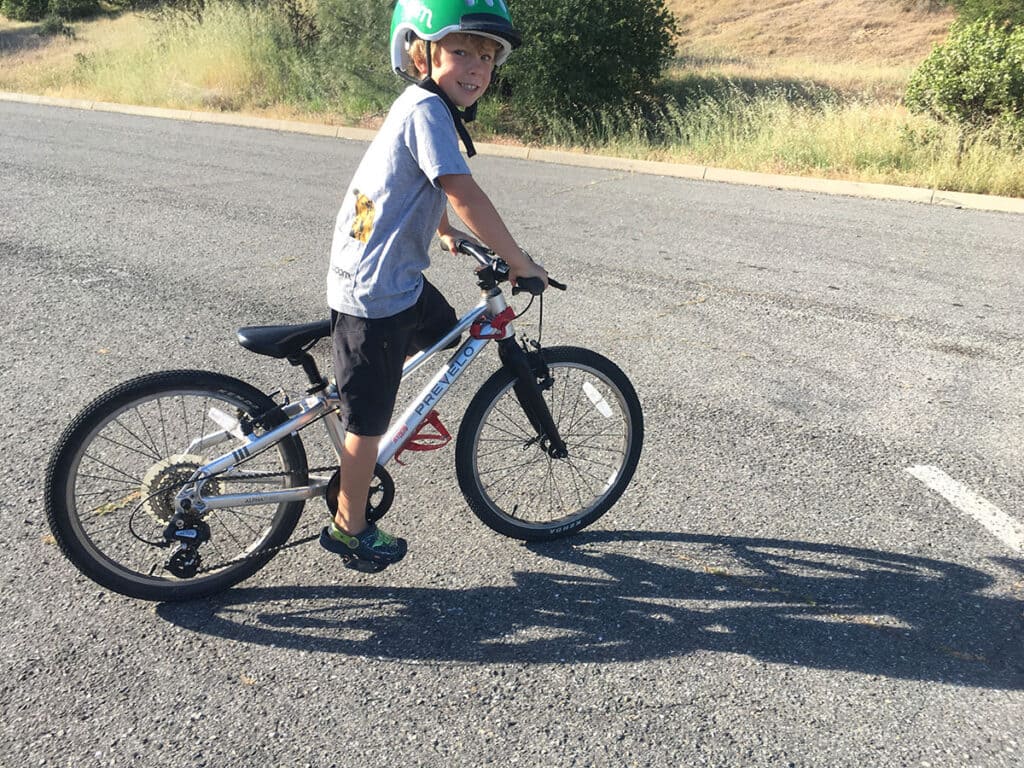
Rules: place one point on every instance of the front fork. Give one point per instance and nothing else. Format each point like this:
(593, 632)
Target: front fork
(528, 368)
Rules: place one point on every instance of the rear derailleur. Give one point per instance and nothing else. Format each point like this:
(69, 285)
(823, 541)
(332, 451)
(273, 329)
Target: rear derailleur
(188, 531)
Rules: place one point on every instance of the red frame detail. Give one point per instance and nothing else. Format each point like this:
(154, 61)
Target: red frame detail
(425, 441)
(499, 323)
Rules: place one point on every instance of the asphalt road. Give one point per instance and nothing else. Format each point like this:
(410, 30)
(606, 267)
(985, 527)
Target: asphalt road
(774, 589)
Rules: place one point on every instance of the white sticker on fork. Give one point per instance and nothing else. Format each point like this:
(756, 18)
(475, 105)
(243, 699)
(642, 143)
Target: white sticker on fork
(597, 399)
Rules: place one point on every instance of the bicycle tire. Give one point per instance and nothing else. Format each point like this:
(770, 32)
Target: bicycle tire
(509, 480)
(117, 466)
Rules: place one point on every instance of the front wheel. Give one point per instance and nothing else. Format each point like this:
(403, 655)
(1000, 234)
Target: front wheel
(506, 474)
(114, 475)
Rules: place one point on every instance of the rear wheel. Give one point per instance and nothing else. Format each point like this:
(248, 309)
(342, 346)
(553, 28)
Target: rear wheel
(506, 474)
(112, 481)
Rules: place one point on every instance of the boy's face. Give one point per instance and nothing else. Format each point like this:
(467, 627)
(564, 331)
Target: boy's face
(463, 65)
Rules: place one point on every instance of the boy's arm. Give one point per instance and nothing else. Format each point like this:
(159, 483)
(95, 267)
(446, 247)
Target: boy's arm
(449, 235)
(472, 205)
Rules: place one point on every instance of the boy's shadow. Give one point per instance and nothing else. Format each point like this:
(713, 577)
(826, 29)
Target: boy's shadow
(652, 595)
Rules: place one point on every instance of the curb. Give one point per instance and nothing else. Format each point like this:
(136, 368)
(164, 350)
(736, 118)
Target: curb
(649, 167)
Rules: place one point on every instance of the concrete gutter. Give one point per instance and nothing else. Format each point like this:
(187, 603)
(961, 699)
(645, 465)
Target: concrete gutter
(678, 170)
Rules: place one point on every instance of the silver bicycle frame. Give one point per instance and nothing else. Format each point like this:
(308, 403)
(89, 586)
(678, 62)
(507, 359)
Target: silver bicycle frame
(304, 412)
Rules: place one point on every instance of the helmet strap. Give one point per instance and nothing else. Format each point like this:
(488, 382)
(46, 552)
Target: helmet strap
(461, 117)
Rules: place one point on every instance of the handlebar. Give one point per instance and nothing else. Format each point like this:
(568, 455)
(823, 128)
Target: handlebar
(488, 259)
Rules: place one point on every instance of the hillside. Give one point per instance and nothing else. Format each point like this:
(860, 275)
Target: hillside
(830, 31)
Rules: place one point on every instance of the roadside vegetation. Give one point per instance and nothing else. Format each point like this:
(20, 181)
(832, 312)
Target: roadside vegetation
(847, 89)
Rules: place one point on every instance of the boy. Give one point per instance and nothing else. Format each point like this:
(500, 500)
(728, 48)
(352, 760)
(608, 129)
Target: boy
(383, 309)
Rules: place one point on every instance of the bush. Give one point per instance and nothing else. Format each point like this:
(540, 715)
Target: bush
(1008, 11)
(584, 56)
(24, 10)
(35, 10)
(53, 25)
(974, 80)
(73, 9)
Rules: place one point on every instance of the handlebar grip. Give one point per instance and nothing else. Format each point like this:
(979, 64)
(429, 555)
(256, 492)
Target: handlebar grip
(535, 286)
(532, 285)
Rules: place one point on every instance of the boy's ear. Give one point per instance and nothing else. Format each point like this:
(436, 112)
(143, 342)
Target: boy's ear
(422, 51)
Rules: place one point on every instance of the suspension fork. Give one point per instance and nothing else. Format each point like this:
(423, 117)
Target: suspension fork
(530, 397)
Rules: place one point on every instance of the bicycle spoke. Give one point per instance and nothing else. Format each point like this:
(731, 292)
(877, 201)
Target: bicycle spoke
(94, 532)
(149, 435)
(241, 518)
(132, 479)
(557, 490)
(117, 481)
(127, 447)
(231, 534)
(163, 427)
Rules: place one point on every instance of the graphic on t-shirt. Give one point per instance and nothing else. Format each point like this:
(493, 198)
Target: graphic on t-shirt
(362, 225)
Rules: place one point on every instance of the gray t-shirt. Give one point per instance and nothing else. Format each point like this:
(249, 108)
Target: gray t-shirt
(392, 209)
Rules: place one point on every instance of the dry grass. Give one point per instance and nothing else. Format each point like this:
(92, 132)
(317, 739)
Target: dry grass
(873, 32)
(35, 64)
(864, 48)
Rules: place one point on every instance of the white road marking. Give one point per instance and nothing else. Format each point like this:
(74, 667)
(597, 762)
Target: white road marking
(997, 522)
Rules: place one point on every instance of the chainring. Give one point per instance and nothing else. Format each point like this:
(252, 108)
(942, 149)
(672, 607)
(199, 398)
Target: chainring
(382, 493)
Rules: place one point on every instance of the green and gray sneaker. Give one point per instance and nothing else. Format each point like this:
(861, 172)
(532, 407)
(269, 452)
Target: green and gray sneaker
(371, 551)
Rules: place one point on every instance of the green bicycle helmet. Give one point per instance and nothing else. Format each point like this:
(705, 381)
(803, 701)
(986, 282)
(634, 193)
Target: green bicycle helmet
(431, 20)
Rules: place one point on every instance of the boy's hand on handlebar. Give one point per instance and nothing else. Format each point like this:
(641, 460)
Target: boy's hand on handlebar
(525, 267)
(450, 240)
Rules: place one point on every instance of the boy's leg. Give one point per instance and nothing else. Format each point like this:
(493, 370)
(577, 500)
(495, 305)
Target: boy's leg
(362, 546)
(358, 459)
(368, 368)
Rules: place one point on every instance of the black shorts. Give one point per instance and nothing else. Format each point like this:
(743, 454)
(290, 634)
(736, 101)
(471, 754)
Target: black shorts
(369, 354)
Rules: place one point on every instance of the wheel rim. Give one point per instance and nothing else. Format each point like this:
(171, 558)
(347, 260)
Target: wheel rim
(119, 497)
(520, 482)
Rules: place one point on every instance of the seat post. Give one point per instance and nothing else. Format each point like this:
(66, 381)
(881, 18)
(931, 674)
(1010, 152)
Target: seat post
(309, 366)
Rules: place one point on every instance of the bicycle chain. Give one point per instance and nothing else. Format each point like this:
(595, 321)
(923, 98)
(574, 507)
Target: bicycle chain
(262, 553)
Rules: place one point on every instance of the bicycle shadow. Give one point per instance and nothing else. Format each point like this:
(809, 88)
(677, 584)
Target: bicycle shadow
(647, 595)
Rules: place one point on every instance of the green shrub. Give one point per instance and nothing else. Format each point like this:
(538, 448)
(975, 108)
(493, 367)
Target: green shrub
(1009, 11)
(583, 56)
(975, 79)
(35, 10)
(54, 25)
(73, 9)
(24, 10)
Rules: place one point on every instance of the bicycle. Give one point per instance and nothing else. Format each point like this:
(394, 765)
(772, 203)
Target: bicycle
(146, 488)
